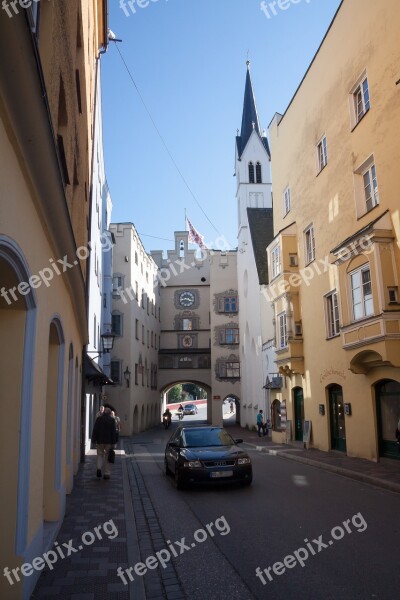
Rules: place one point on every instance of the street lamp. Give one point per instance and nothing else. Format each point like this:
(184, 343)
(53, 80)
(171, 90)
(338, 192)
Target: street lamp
(127, 375)
(107, 341)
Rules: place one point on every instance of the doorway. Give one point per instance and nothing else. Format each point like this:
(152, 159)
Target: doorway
(337, 418)
(388, 416)
(298, 400)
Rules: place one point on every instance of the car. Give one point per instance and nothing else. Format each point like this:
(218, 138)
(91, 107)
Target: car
(190, 409)
(206, 454)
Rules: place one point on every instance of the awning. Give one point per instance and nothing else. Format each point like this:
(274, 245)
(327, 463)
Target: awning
(94, 373)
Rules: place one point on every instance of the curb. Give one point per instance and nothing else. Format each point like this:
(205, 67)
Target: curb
(381, 483)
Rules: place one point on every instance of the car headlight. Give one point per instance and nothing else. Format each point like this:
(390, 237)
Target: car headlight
(244, 461)
(192, 464)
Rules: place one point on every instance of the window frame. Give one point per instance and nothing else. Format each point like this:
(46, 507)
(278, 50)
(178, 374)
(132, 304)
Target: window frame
(309, 233)
(358, 89)
(276, 262)
(374, 194)
(120, 316)
(282, 329)
(223, 336)
(332, 314)
(322, 153)
(115, 361)
(287, 200)
(369, 298)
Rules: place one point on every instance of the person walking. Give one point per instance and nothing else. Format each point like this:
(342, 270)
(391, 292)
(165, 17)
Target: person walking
(260, 423)
(104, 435)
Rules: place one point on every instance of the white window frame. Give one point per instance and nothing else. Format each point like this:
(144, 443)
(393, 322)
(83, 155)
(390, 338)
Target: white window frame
(366, 300)
(357, 94)
(282, 331)
(287, 200)
(233, 334)
(322, 153)
(276, 265)
(309, 244)
(332, 314)
(373, 195)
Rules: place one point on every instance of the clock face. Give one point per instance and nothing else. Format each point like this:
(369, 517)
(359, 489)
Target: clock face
(186, 299)
(187, 341)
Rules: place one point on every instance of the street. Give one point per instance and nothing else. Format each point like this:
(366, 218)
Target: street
(288, 506)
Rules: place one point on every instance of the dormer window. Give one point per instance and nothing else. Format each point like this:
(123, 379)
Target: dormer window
(258, 173)
(251, 173)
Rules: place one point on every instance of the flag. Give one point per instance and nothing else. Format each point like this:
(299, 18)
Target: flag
(195, 237)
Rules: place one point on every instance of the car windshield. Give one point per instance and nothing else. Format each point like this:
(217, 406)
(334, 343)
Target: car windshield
(189, 406)
(200, 438)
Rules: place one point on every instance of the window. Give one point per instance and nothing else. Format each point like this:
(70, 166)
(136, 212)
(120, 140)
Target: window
(229, 335)
(148, 338)
(137, 291)
(116, 371)
(142, 334)
(136, 374)
(187, 324)
(258, 173)
(152, 339)
(309, 244)
(142, 298)
(392, 295)
(282, 331)
(148, 305)
(229, 369)
(322, 154)
(137, 329)
(228, 304)
(286, 201)
(251, 173)
(276, 261)
(361, 99)
(370, 188)
(116, 324)
(117, 283)
(185, 362)
(332, 315)
(361, 293)
(136, 258)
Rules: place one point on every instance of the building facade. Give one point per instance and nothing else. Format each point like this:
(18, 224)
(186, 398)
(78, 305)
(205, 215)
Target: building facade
(135, 318)
(46, 119)
(335, 259)
(255, 231)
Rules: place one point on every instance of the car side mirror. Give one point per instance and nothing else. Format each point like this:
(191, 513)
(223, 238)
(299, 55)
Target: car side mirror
(239, 441)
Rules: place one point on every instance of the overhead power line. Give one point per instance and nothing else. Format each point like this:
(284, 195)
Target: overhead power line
(164, 142)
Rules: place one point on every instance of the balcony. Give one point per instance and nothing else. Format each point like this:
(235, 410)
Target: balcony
(373, 342)
(290, 360)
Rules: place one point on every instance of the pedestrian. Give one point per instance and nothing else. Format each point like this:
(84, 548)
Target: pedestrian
(101, 410)
(104, 435)
(260, 423)
(117, 423)
(267, 425)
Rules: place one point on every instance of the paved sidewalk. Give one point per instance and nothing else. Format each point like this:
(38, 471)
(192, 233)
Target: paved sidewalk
(385, 474)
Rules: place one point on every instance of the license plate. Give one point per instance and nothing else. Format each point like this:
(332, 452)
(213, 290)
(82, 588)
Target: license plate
(221, 474)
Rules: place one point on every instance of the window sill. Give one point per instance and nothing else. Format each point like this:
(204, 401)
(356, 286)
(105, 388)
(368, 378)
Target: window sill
(332, 337)
(322, 168)
(368, 212)
(359, 120)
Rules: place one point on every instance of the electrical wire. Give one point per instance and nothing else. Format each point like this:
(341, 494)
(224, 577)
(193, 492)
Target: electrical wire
(164, 142)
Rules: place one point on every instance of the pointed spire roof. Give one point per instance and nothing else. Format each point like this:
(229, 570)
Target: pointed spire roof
(250, 120)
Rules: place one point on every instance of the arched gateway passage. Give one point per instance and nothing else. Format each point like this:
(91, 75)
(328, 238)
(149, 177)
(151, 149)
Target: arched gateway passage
(184, 391)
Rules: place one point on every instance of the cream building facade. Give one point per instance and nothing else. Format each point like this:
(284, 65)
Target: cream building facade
(136, 325)
(335, 258)
(46, 121)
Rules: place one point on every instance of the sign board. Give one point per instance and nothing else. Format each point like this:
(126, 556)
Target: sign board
(216, 397)
(307, 432)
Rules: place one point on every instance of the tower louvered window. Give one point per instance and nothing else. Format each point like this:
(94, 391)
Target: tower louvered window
(251, 173)
(258, 173)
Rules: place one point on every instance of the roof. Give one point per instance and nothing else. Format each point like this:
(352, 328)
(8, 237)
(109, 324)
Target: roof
(250, 120)
(94, 373)
(262, 233)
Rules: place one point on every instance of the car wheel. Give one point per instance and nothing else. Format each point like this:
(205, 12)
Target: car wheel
(178, 480)
(248, 482)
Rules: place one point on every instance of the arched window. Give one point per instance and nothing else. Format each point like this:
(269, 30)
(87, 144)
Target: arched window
(251, 173)
(258, 173)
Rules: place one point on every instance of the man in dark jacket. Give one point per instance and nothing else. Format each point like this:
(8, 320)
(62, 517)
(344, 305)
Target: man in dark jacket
(105, 437)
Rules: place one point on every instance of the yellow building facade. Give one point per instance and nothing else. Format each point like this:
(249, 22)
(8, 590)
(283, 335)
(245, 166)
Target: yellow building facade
(335, 260)
(46, 118)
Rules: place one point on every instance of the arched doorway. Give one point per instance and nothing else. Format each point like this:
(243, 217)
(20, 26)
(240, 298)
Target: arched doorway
(337, 418)
(387, 394)
(298, 403)
(276, 415)
(231, 410)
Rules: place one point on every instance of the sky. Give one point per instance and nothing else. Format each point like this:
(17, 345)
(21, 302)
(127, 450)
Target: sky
(188, 61)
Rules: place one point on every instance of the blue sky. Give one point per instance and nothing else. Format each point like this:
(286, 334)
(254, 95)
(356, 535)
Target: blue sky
(188, 60)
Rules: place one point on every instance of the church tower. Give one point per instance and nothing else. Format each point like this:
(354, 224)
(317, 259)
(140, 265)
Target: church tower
(255, 232)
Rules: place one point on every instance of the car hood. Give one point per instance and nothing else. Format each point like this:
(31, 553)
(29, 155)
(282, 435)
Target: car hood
(212, 453)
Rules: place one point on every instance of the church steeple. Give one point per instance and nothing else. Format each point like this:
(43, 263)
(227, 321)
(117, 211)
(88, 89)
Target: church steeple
(250, 120)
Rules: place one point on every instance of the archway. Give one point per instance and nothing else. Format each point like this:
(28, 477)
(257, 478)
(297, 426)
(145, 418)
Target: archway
(136, 424)
(17, 334)
(53, 423)
(337, 418)
(142, 419)
(387, 395)
(298, 403)
(188, 392)
(231, 410)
